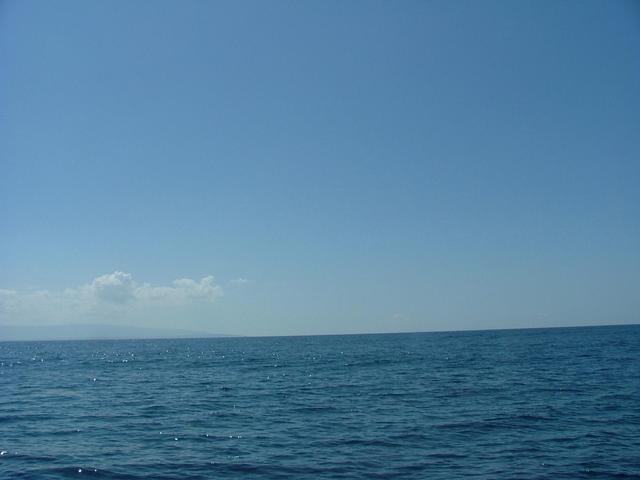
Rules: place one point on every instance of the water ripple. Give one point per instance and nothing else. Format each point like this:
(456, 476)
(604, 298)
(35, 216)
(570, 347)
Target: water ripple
(546, 404)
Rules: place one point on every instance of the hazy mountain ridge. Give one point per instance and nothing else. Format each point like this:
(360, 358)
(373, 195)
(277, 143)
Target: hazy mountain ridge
(88, 332)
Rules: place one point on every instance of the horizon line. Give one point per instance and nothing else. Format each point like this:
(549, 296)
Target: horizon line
(229, 336)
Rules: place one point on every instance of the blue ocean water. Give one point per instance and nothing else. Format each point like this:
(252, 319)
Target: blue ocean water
(548, 403)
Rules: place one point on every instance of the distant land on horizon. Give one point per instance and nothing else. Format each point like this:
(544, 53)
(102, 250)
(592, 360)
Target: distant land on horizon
(9, 333)
(95, 332)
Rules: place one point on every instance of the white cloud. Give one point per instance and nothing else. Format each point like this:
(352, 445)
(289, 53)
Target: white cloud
(117, 287)
(114, 296)
(182, 290)
(239, 281)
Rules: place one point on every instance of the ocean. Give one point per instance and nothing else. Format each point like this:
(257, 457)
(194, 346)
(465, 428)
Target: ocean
(527, 404)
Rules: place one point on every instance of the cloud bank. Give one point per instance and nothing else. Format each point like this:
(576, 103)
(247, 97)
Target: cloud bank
(112, 297)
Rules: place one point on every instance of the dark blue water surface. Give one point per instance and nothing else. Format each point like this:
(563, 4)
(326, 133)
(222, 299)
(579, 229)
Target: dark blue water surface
(552, 403)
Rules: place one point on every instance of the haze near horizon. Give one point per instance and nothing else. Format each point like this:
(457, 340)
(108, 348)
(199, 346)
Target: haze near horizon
(275, 168)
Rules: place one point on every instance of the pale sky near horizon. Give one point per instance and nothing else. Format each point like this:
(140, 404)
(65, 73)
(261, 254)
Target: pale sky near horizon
(273, 167)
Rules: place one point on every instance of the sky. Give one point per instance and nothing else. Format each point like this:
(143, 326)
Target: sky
(318, 167)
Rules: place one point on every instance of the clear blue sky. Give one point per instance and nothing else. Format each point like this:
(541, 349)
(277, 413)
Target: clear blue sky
(336, 166)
